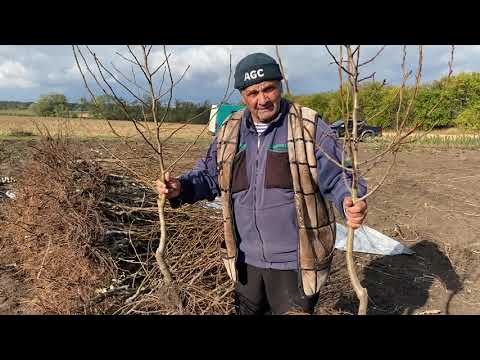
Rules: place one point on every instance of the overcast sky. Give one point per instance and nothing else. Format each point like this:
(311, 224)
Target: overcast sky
(26, 72)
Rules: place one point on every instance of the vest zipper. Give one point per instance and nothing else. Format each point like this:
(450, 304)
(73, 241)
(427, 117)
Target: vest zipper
(255, 199)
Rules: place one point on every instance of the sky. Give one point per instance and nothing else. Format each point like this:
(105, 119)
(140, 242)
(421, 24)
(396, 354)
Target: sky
(29, 71)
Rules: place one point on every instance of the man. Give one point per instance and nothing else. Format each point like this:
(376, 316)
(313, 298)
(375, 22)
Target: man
(262, 195)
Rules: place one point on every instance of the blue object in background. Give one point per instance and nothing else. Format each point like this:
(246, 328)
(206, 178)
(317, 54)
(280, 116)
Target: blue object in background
(218, 114)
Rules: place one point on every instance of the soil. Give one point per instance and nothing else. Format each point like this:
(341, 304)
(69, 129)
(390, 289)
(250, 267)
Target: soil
(430, 202)
(12, 290)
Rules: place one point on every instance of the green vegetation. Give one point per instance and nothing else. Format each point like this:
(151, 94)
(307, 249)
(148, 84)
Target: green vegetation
(14, 105)
(51, 105)
(56, 105)
(469, 118)
(433, 140)
(16, 112)
(455, 104)
(106, 107)
(450, 141)
(16, 108)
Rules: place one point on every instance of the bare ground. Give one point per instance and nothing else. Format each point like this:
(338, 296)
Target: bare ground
(430, 202)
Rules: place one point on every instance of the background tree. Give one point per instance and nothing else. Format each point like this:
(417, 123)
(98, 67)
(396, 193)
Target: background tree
(51, 105)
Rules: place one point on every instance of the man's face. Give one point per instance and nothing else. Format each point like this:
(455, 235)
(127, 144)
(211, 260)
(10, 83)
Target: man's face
(263, 100)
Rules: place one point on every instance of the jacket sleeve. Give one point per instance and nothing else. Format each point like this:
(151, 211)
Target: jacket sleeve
(201, 182)
(331, 178)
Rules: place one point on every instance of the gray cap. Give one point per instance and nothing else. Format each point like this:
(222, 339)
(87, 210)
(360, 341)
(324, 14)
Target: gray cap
(256, 68)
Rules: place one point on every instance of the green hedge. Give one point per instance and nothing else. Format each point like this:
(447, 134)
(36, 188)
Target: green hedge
(469, 119)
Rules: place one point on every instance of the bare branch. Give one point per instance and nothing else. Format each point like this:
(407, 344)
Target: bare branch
(433, 125)
(356, 49)
(402, 86)
(153, 104)
(123, 164)
(119, 82)
(184, 125)
(160, 66)
(133, 82)
(380, 183)
(325, 153)
(137, 61)
(175, 83)
(120, 102)
(127, 59)
(282, 69)
(170, 90)
(88, 88)
(367, 120)
(368, 77)
(187, 149)
(340, 81)
(374, 57)
(450, 71)
(417, 86)
(161, 84)
(225, 97)
(277, 50)
(336, 61)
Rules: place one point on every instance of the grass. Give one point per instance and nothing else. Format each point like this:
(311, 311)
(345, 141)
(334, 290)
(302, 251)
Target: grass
(16, 112)
(439, 132)
(469, 141)
(466, 141)
(27, 127)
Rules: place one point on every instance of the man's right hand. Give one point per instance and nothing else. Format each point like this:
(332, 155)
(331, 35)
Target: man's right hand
(171, 188)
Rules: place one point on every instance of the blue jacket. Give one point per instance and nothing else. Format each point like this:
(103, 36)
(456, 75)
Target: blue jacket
(262, 189)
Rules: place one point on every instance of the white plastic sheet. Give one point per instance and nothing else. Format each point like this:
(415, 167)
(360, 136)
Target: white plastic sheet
(368, 240)
(215, 204)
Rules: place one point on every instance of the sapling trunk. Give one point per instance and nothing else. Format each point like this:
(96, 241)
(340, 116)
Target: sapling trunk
(360, 291)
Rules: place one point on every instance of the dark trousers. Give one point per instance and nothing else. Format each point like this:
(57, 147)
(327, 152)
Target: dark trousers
(263, 291)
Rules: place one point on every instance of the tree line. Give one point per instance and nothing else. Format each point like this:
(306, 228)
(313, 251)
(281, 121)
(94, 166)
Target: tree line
(105, 107)
(458, 105)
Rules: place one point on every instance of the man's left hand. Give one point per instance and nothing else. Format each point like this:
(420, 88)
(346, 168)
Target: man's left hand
(355, 213)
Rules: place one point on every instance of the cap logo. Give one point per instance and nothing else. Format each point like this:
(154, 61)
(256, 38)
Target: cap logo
(253, 74)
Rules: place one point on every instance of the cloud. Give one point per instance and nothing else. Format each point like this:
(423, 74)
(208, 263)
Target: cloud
(208, 59)
(14, 74)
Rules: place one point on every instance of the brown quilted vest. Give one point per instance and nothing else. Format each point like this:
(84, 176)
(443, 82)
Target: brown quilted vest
(315, 217)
